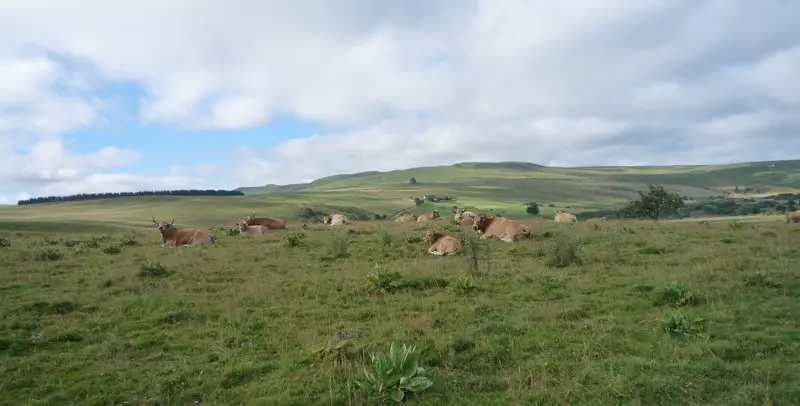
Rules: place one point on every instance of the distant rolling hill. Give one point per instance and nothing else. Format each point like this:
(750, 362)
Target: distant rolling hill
(528, 181)
(491, 187)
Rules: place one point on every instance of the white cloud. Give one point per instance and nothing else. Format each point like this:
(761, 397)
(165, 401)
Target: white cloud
(426, 82)
(48, 161)
(123, 182)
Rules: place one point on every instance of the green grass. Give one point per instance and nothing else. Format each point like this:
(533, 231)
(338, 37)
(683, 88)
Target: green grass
(618, 313)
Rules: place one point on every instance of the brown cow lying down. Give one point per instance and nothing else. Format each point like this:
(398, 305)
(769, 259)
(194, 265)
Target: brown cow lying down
(269, 223)
(793, 216)
(403, 219)
(500, 228)
(429, 216)
(335, 220)
(561, 216)
(442, 244)
(250, 231)
(460, 214)
(171, 235)
(466, 221)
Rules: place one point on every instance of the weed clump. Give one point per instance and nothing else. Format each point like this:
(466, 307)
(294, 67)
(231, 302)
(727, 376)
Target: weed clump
(153, 269)
(464, 284)
(652, 250)
(565, 252)
(385, 242)
(384, 281)
(472, 248)
(48, 254)
(129, 240)
(761, 279)
(94, 242)
(680, 324)
(4, 242)
(112, 249)
(393, 374)
(676, 294)
(339, 247)
(292, 238)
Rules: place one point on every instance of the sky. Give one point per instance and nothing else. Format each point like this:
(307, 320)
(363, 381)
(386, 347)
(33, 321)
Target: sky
(112, 95)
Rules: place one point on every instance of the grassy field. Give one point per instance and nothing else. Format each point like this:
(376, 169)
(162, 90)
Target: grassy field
(487, 187)
(673, 313)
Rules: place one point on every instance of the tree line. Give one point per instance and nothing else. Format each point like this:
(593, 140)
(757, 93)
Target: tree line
(111, 195)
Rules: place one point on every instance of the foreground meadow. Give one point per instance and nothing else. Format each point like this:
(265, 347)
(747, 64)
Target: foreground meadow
(616, 313)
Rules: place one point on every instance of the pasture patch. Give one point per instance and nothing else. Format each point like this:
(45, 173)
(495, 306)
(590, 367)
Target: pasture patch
(635, 312)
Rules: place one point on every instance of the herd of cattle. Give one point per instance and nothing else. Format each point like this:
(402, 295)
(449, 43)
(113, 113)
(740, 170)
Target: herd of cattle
(497, 227)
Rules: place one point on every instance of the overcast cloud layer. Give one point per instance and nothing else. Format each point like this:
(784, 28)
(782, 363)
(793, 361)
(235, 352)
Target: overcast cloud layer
(418, 82)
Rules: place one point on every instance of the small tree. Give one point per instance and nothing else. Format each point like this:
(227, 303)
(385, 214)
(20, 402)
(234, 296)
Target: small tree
(418, 202)
(657, 202)
(412, 181)
(532, 209)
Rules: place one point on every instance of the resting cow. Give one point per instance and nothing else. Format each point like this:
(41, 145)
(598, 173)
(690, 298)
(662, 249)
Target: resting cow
(429, 216)
(601, 219)
(335, 220)
(172, 235)
(460, 214)
(466, 221)
(403, 219)
(269, 223)
(246, 230)
(500, 228)
(562, 216)
(793, 216)
(442, 244)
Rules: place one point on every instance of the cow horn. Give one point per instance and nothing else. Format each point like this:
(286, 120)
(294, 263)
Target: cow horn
(173, 221)
(154, 220)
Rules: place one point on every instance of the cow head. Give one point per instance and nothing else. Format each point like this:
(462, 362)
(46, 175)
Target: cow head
(431, 236)
(326, 220)
(435, 214)
(163, 226)
(249, 218)
(242, 225)
(479, 222)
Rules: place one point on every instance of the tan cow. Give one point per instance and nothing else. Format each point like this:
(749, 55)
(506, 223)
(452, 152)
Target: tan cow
(269, 223)
(466, 221)
(246, 230)
(793, 216)
(601, 219)
(500, 228)
(562, 216)
(442, 244)
(461, 213)
(172, 235)
(429, 216)
(403, 219)
(335, 220)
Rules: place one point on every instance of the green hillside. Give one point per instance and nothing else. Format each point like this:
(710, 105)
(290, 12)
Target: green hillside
(531, 181)
(490, 187)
